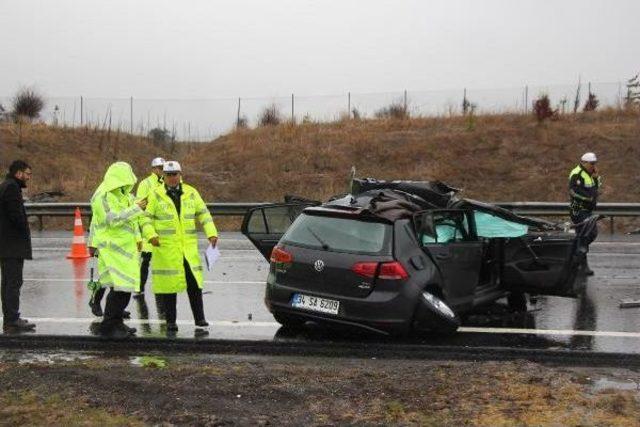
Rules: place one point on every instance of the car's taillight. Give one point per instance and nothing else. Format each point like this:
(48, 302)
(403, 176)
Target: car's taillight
(388, 270)
(365, 269)
(281, 256)
(392, 271)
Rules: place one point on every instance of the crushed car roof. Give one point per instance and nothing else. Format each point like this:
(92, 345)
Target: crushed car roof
(393, 200)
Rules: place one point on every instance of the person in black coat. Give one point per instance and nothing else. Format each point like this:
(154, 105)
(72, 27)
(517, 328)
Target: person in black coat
(16, 244)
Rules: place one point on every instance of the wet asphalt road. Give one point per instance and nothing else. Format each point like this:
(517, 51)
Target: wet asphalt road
(55, 297)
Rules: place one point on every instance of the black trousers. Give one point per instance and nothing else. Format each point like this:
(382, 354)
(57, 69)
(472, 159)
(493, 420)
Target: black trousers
(144, 269)
(578, 216)
(117, 301)
(10, 287)
(195, 298)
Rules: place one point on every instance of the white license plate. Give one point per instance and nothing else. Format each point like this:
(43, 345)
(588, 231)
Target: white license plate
(307, 302)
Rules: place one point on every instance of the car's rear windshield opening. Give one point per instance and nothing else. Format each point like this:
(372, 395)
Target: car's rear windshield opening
(339, 235)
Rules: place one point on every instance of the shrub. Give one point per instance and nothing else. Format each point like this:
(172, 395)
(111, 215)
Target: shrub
(270, 116)
(542, 109)
(242, 123)
(592, 103)
(356, 113)
(159, 135)
(395, 110)
(27, 103)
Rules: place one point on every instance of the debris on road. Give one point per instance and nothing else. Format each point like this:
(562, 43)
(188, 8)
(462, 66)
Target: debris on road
(629, 303)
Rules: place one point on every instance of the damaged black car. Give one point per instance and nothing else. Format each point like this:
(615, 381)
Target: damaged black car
(401, 257)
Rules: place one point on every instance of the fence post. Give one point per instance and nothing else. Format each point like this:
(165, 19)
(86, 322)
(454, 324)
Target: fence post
(293, 118)
(131, 113)
(405, 101)
(526, 99)
(81, 111)
(349, 104)
(238, 118)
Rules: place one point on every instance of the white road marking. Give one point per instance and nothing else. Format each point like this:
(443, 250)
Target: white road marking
(150, 321)
(549, 332)
(234, 323)
(215, 282)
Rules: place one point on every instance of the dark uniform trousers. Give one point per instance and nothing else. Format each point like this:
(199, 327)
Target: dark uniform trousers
(117, 301)
(11, 284)
(144, 269)
(195, 298)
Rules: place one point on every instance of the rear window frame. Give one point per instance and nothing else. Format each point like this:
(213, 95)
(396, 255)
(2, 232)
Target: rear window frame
(387, 246)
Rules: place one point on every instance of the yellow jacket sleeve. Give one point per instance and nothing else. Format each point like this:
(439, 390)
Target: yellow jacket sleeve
(204, 217)
(146, 222)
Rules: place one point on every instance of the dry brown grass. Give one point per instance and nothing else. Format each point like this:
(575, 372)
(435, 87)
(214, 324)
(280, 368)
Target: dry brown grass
(74, 160)
(502, 158)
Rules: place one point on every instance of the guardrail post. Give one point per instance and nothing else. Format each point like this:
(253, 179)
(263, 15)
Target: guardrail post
(611, 225)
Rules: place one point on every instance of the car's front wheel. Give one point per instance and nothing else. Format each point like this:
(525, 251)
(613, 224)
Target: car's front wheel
(434, 315)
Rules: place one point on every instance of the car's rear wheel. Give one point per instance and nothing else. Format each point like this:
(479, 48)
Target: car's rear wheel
(288, 321)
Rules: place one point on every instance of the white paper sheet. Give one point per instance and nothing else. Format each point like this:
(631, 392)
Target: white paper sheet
(211, 255)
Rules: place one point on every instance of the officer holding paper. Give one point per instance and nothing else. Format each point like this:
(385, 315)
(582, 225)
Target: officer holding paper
(170, 227)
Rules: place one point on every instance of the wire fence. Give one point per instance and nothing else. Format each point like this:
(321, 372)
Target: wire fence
(204, 119)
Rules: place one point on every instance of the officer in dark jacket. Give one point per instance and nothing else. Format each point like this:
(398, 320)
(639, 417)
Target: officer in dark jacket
(584, 188)
(16, 244)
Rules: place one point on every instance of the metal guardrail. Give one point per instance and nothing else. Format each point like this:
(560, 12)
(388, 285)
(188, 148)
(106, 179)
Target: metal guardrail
(611, 210)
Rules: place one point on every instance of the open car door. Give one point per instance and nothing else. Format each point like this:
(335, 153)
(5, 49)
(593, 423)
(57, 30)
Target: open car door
(548, 264)
(265, 225)
(449, 238)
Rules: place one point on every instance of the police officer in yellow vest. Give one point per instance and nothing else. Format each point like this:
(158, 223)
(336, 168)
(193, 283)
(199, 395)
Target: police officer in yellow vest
(116, 217)
(170, 226)
(145, 188)
(584, 188)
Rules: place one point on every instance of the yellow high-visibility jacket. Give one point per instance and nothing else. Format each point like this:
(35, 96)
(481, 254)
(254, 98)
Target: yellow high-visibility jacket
(178, 237)
(115, 229)
(145, 188)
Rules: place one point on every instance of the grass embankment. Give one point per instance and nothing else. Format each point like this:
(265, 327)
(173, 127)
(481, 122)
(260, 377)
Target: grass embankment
(73, 161)
(500, 157)
(234, 390)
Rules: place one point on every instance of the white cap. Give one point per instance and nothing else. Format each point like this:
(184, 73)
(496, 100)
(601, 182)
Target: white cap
(171, 166)
(157, 162)
(589, 157)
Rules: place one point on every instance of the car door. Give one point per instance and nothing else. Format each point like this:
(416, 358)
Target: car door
(265, 225)
(548, 263)
(448, 237)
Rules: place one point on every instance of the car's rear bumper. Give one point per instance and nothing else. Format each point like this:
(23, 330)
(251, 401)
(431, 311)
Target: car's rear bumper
(379, 312)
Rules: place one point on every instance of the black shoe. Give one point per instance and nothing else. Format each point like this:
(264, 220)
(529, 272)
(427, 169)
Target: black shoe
(96, 310)
(119, 331)
(200, 333)
(202, 323)
(172, 327)
(19, 325)
(126, 314)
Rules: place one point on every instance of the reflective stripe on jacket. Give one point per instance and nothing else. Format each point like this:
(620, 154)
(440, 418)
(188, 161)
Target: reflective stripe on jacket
(145, 188)
(583, 189)
(178, 237)
(115, 229)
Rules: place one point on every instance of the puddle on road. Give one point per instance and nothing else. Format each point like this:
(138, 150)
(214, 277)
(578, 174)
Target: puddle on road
(29, 357)
(616, 384)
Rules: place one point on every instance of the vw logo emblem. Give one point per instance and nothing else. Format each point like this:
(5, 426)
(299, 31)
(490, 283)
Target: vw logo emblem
(318, 265)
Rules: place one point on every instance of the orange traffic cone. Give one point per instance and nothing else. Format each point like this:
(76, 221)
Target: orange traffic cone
(78, 246)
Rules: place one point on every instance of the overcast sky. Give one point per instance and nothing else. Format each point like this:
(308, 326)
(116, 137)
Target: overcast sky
(253, 48)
